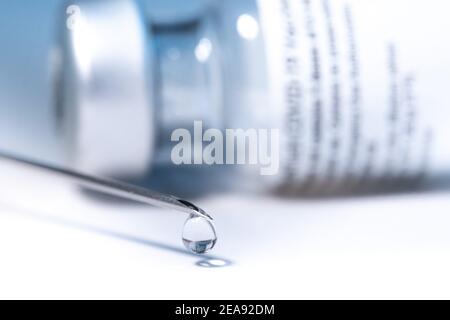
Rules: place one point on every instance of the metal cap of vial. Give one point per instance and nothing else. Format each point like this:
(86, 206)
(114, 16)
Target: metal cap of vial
(103, 88)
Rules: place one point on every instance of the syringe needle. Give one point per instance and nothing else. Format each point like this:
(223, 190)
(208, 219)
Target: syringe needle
(112, 187)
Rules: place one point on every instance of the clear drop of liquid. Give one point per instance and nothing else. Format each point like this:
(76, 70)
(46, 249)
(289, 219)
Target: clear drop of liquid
(199, 235)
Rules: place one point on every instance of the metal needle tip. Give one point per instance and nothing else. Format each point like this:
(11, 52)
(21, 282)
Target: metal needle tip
(112, 187)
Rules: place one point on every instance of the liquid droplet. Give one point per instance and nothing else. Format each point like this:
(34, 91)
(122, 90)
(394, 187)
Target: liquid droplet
(199, 235)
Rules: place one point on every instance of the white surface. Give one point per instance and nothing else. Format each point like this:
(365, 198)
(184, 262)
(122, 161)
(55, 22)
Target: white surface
(392, 247)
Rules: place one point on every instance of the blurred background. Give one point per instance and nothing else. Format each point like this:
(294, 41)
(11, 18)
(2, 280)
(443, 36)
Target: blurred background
(58, 241)
(30, 36)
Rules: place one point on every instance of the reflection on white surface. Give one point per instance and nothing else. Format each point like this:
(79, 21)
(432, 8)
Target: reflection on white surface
(212, 263)
(247, 27)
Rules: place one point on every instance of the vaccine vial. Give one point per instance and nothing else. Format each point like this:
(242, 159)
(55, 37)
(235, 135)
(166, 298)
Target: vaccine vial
(355, 90)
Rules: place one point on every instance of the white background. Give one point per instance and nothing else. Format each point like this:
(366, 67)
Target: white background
(56, 242)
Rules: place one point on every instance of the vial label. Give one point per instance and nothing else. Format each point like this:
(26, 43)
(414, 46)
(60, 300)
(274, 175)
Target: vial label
(360, 87)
